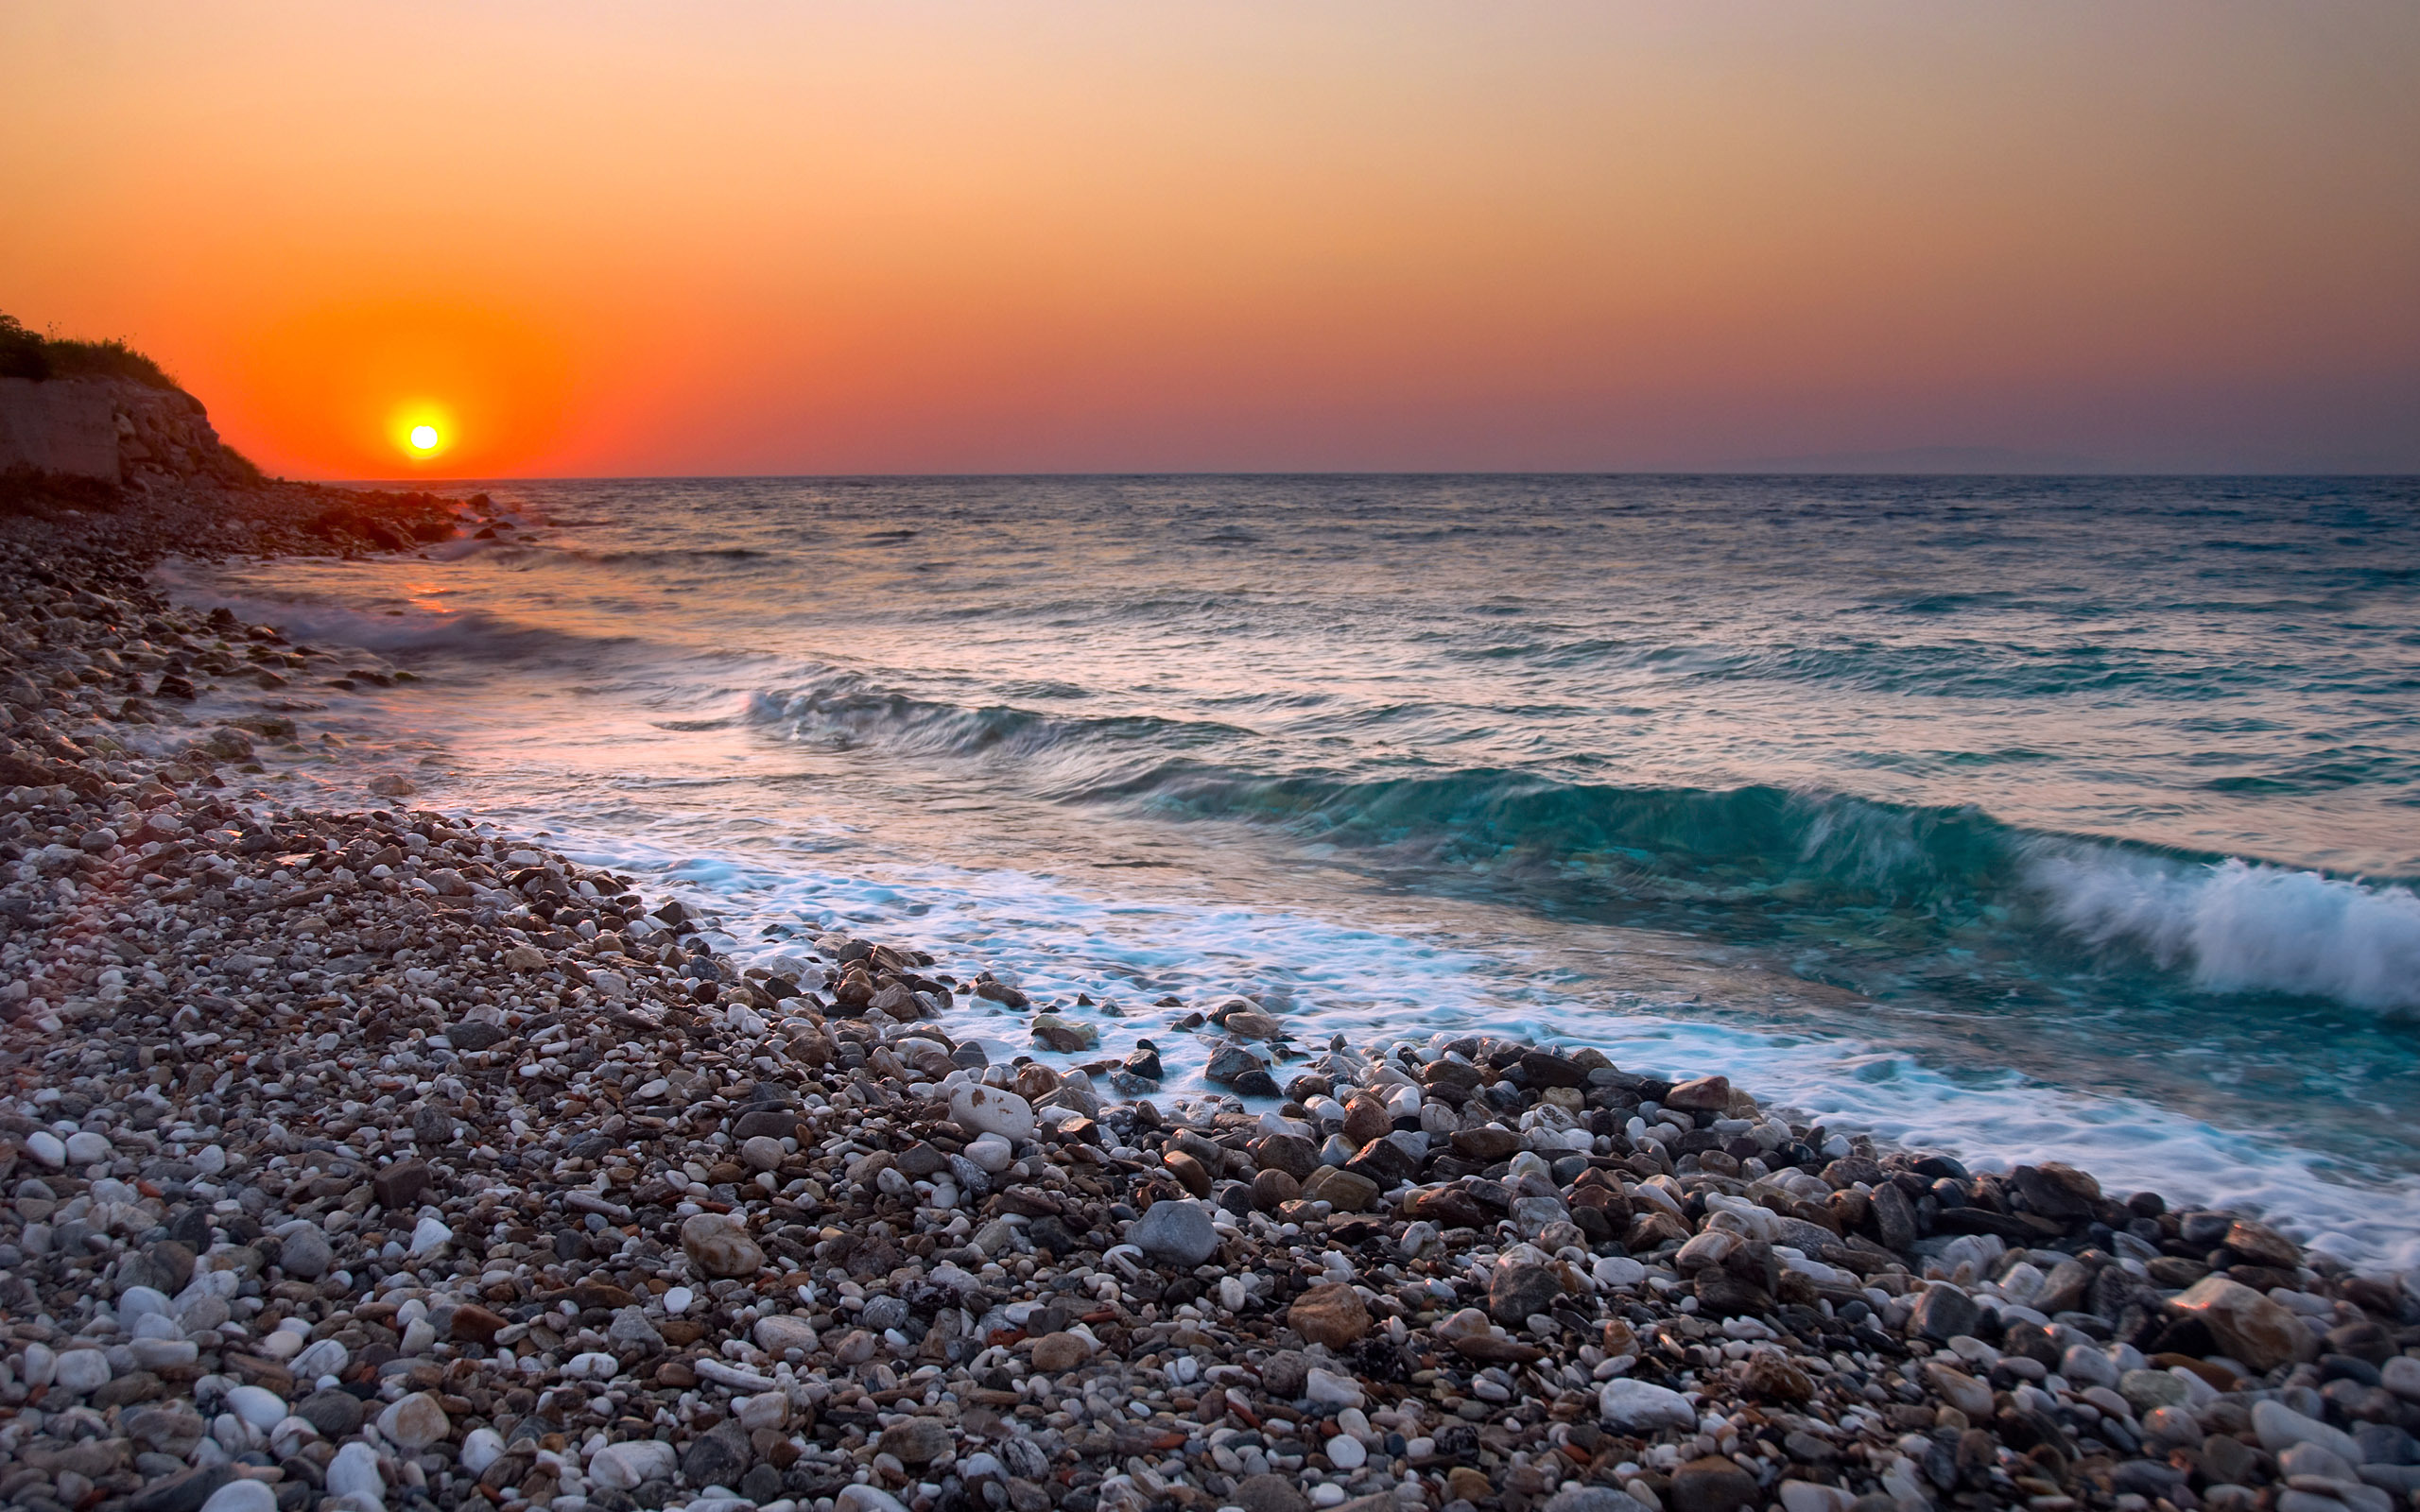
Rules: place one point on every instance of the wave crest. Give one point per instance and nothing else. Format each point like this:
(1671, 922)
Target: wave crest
(2239, 926)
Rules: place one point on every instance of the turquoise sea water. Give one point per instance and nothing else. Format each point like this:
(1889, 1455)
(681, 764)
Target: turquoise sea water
(2024, 817)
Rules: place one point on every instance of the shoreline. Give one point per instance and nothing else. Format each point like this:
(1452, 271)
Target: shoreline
(595, 1197)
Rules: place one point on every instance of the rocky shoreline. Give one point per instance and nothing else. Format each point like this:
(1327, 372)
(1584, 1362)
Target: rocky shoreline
(380, 1160)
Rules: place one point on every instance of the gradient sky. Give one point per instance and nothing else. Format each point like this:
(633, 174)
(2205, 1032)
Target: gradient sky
(920, 237)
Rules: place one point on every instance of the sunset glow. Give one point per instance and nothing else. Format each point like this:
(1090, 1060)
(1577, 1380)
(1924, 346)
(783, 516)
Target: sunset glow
(762, 237)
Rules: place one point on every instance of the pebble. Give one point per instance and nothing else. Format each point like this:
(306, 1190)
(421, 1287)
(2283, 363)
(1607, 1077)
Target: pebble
(353, 1471)
(242, 1496)
(1175, 1231)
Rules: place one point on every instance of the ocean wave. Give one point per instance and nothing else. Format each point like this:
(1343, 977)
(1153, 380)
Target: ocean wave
(2240, 926)
(1902, 881)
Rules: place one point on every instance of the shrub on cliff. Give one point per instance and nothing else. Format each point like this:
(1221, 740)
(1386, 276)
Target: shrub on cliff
(31, 354)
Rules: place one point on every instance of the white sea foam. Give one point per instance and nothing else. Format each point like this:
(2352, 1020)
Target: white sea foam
(2239, 927)
(1333, 977)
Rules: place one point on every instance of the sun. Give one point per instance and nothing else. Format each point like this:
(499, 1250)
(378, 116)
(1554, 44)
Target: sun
(423, 437)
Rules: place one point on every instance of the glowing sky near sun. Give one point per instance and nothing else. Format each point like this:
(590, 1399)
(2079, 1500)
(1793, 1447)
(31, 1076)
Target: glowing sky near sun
(619, 238)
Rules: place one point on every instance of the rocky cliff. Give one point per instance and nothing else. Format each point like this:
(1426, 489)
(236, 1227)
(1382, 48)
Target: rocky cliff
(114, 429)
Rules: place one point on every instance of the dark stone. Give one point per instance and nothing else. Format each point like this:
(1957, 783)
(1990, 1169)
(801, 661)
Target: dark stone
(718, 1457)
(335, 1413)
(400, 1185)
(769, 1123)
(1544, 1068)
(1516, 1292)
(1711, 1485)
(1291, 1153)
(474, 1035)
(1894, 1217)
(1385, 1163)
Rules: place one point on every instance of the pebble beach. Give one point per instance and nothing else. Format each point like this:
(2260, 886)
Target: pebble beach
(376, 1160)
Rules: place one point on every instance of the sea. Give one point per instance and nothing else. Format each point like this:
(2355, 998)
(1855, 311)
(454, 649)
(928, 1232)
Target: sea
(2021, 818)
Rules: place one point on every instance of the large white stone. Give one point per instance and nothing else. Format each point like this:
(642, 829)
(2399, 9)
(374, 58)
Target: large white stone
(481, 1447)
(354, 1473)
(242, 1496)
(46, 1147)
(257, 1406)
(627, 1465)
(80, 1370)
(1640, 1407)
(991, 1110)
(84, 1147)
(992, 1153)
(866, 1498)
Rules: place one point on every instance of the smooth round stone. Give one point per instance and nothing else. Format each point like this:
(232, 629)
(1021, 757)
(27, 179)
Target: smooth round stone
(257, 1406)
(80, 1370)
(84, 1147)
(140, 1302)
(761, 1153)
(242, 1496)
(306, 1254)
(991, 1154)
(1346, 1454)
(481, 1447)
(323, 1357)
(677, 1301)
(416, 1421)
(354, 1473)
(46, 1147)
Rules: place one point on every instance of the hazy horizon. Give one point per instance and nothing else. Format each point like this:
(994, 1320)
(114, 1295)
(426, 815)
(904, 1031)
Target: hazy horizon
(1082, 238)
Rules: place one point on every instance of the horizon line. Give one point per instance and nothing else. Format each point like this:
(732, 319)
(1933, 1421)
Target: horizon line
(2095, 475)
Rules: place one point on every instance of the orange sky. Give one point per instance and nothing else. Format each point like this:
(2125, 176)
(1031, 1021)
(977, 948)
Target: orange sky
(916, 236)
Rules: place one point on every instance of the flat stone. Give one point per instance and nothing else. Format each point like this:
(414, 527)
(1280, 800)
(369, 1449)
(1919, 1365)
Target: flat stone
(633, 1463)
(1487, 1143)
(1641, 1407)
(980, 1110)
(2248, 1326)
(1594, 1499)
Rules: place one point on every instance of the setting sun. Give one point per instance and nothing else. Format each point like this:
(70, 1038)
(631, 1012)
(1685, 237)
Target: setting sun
(423, 437)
